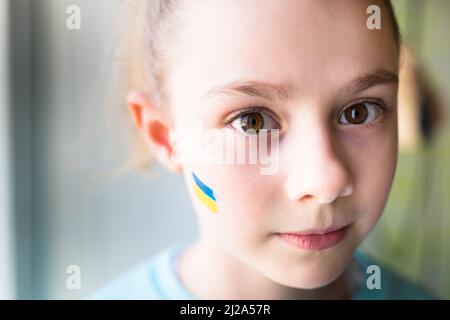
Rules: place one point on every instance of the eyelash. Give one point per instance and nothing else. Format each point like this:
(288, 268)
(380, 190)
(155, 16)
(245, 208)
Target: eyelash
(247, 110)
(251, 108)
(382, 106)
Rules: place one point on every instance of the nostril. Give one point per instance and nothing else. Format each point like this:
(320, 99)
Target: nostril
(306, 197)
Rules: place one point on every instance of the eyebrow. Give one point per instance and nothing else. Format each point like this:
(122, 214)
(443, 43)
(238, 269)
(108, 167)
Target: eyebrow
(250, 88)
(378, 78)
(274, 92)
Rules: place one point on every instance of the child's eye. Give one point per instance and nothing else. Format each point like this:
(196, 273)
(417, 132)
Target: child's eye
(254, 120)
(364, 112)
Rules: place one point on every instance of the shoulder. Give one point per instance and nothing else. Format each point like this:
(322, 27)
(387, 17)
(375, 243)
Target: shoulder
(393, 285)
(154, 278)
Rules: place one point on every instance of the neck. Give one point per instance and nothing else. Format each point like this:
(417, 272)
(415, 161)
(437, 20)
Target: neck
(211, 273)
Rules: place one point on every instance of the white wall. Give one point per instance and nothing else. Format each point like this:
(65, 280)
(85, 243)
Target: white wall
(6, 223)
(79, 215)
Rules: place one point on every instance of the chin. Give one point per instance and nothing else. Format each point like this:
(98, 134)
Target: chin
(309, 275)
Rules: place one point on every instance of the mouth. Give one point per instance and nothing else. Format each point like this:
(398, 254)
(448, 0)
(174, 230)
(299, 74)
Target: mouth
(315, 240)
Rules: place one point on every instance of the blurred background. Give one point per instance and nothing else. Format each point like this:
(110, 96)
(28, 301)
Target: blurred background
(62, 123)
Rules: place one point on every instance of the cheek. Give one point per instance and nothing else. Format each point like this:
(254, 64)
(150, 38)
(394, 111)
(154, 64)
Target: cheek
(246, 196)
(244, 200)
(374, 163)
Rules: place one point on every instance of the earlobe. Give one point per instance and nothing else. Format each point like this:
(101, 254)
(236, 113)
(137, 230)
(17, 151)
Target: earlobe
(155, 128)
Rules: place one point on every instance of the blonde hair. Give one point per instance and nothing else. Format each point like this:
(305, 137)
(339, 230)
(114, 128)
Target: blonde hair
(147, 61)
(151, 43)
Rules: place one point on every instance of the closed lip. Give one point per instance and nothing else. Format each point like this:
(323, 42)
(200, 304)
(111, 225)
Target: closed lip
(315, 240)
(316, 231)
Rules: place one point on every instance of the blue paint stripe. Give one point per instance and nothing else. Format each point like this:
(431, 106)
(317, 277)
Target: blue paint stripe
(206, 190)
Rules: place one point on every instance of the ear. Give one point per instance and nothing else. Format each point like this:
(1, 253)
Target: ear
(155, 128)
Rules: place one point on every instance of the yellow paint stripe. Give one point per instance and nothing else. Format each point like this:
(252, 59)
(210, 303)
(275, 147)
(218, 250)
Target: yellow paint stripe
(207, 201)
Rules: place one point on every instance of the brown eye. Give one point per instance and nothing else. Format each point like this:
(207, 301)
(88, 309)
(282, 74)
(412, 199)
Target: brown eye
(252, 120)
(255, 121)
(360, 113)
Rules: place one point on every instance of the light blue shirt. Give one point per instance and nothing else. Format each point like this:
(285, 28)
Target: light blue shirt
(157, 279)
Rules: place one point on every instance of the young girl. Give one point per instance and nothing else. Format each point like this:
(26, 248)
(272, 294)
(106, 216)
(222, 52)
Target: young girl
(318, 81)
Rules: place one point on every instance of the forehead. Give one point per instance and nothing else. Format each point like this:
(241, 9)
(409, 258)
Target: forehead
(311, 45)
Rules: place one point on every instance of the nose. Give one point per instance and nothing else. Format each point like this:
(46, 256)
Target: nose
(317, 170)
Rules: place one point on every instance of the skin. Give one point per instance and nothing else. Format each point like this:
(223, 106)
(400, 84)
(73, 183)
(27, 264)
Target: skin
(330, 173)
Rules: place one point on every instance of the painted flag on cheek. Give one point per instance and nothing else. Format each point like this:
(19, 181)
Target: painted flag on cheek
(204, 194)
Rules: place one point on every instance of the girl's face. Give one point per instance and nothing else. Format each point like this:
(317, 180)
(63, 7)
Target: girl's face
(313, 70)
